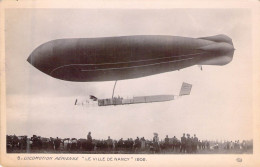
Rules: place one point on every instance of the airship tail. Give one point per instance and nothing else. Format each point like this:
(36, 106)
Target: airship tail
(220, 52)
(219, 38)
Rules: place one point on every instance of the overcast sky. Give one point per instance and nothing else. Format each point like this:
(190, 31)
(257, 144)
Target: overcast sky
(219, 107)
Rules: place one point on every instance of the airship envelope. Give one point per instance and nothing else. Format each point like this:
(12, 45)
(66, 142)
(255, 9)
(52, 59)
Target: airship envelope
(127, 57)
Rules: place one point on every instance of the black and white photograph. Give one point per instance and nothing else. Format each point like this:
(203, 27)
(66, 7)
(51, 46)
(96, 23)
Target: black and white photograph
(129, 82)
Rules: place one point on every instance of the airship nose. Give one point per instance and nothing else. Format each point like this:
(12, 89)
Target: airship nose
(41, 58)
(30, 59)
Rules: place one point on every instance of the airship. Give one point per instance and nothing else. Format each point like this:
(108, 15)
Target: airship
(127, 57)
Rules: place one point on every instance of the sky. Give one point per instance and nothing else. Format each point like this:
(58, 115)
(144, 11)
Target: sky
(219, 107)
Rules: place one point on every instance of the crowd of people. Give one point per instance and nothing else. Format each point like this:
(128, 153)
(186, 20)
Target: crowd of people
(186, 144)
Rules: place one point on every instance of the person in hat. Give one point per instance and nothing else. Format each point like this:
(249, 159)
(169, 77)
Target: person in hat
(109, 143)
(137, 144)
(57, 143)
(188, 144)
(166, 142)
(89, 142)
(175, 142)
(195, 143)
(156, 142)
(142, 143)
(183, 144)
(89, 138)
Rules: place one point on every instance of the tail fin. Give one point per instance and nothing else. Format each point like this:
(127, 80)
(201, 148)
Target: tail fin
(185, 89)
(219, 38)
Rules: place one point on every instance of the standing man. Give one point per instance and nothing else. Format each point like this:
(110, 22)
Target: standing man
(120, 143)
(199, 144)
(166, 142)
(89, 142)
(89, 137)
(208, 145)
(192, 145)
(57, 143)
(137, 144)
(195, 142)
(142, 143)
(183, 143)
(156, 142)
(109, 143)
(203, 144)
(175, 141)
(188, 144)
